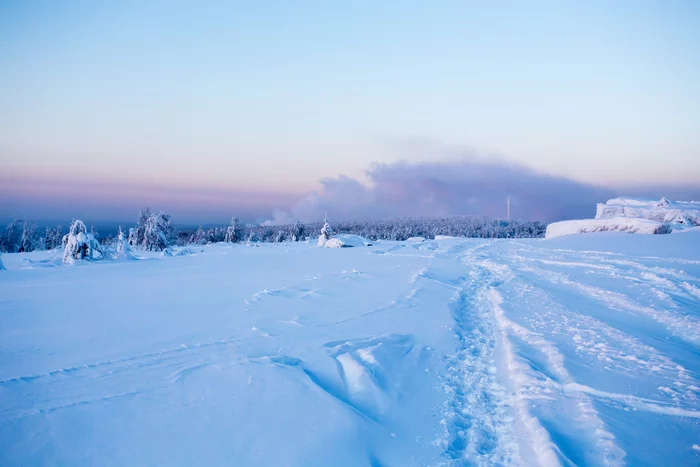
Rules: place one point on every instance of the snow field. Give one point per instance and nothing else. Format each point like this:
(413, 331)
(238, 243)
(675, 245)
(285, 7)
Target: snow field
(576, 350)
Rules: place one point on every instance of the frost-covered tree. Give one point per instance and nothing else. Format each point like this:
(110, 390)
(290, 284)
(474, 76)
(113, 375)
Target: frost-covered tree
(140, 231)
(326, 232)
(280, 237)
(80, 245)
(199, 237)
(2, 266)
(132, 237)
(52, 237)
(158, 232)
(298, 232)
(234, 232)
(123, 249)
(252, 237)
(29, 238)
(13, 236)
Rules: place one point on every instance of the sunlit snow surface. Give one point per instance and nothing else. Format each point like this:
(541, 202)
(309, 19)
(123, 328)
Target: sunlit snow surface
(582, 349)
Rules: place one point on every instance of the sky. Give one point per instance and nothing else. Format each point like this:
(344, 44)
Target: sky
(210, 109)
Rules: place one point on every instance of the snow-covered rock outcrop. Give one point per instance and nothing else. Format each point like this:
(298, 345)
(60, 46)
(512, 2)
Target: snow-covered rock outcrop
(679, 213)
(633, 215)
(617, 224)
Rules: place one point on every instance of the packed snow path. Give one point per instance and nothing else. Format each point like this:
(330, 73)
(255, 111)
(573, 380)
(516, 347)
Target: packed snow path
(580, 350)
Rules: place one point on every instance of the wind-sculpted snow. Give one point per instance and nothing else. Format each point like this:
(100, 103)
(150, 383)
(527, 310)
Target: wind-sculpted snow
(582, 350)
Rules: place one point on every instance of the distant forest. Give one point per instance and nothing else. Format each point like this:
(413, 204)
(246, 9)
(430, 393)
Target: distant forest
(23, 235)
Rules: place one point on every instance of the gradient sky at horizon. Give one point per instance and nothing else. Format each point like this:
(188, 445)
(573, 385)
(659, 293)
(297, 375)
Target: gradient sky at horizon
(271, 96)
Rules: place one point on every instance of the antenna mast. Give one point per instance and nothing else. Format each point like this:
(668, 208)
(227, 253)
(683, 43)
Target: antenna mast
(508, 204)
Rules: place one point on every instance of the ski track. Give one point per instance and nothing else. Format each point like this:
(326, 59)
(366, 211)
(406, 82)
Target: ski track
(477, 415)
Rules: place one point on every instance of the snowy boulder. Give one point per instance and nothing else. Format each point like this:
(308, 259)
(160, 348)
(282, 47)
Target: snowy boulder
(619, 224)
(679, 213)
(346, 241)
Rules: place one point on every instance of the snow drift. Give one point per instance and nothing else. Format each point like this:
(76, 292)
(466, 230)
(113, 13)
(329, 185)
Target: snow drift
(346, 241)
(680, 213)
(617, 224)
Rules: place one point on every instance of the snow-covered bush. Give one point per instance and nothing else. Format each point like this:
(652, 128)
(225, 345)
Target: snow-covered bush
(80, 245)
(158, 232)
(234, 232)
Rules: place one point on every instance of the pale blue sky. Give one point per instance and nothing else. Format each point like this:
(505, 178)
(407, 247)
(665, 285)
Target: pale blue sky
(274, 95)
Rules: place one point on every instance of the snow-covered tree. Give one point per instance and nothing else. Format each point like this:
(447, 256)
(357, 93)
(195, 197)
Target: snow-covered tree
(123, 249)
(298, 232)
(326, 232)
(158, 232)
(28, 239)
(140, 232)
(52, 237)
(2, 266)
(252, 237)
(13, 236)
(199, 237)
(280, 237)
(131, 239)
(234, 232)
(79, 244)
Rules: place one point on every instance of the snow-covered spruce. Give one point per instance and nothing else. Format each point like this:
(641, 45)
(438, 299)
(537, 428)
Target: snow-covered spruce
(2, 266)
(234, 232)
(298, 232)
(326, 232)
(80, 245)
(123, 249)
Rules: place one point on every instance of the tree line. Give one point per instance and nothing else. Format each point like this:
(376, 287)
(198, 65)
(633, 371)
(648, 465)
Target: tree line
(155, 231)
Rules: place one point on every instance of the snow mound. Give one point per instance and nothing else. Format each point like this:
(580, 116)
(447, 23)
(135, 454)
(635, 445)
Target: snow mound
(617, 224)
(169, 251)
(346, 241)
(680, 213)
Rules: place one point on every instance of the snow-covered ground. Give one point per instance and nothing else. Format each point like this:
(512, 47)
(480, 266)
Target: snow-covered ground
(616, 224)
(582, 350)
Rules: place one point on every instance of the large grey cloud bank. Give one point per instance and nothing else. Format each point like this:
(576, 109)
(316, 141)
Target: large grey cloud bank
(464, 187)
